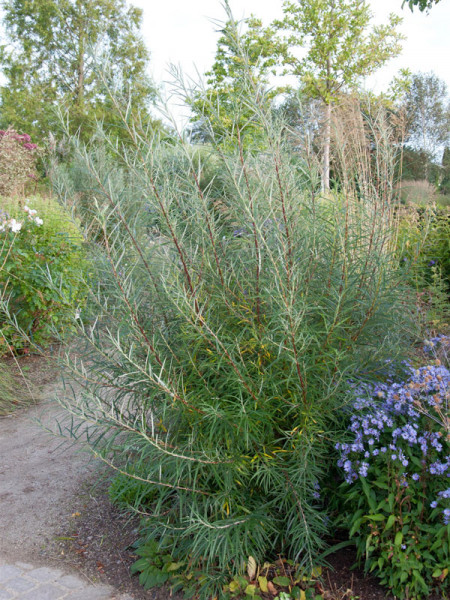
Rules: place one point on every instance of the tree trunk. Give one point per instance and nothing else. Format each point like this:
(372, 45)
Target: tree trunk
(326, 149)
(327, 141)
(80, 83)
(80, 58)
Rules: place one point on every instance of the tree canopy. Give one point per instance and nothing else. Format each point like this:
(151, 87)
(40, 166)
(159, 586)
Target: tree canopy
(340, 47)
(330, 46)
(422, 5)
(243, 62)
(49, 60)
(427, 108)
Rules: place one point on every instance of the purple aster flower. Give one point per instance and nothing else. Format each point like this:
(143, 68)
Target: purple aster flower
(364, 467)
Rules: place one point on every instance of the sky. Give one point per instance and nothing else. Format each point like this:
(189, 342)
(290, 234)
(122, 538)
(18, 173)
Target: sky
(184, 33)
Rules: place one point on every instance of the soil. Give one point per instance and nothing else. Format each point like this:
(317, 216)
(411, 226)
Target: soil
(33, 371)
(343, 579)
(39, 474)
(98, 543)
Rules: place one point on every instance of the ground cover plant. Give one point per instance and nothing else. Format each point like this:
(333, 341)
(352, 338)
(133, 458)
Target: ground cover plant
(219, 337)
(397, 465)
(41, 262)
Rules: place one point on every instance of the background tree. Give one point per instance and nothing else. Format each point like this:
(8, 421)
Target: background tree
(243, 62)
(49, 60)
(444, 188)
(303, 116)
(422, 5)
(340, 50)
(427, 109)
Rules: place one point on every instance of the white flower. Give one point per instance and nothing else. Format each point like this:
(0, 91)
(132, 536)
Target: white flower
(31, 211)
(38, 221)
(15, 226)
(77, 313)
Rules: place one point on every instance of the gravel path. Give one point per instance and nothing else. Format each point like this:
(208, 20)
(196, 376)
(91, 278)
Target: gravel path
(25, 582)
(40, 476)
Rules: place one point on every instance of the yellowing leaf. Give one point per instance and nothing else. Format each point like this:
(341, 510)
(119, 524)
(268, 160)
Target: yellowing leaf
(250, 590)
(263, 584)
(234, 586)
(316, 572)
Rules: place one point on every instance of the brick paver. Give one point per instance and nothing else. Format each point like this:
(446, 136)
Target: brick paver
(23, 581)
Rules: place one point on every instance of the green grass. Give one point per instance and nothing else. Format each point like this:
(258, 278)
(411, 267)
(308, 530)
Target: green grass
(8, 391)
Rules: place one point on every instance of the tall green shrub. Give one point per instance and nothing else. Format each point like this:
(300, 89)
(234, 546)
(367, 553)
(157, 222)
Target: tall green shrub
(219, 344)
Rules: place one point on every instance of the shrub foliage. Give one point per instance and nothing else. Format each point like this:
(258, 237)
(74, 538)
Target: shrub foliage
(219, 341)
(17, 161)
(425, 243)
(41, 262)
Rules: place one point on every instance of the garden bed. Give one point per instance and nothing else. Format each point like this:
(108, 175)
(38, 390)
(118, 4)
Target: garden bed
(99, 542)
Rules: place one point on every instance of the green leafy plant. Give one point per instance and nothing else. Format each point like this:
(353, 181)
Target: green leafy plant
(438, 243)
(154, 568)
(424, 243)
(396, 466)
(41, 263)
(126, 492)
(424, 253)
(37, 81)
(282, 579)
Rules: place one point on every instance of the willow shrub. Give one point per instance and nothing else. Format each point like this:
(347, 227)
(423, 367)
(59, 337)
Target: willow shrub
(219, 343)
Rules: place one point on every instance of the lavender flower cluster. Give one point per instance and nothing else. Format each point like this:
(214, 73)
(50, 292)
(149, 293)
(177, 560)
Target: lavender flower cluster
(388, 427)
